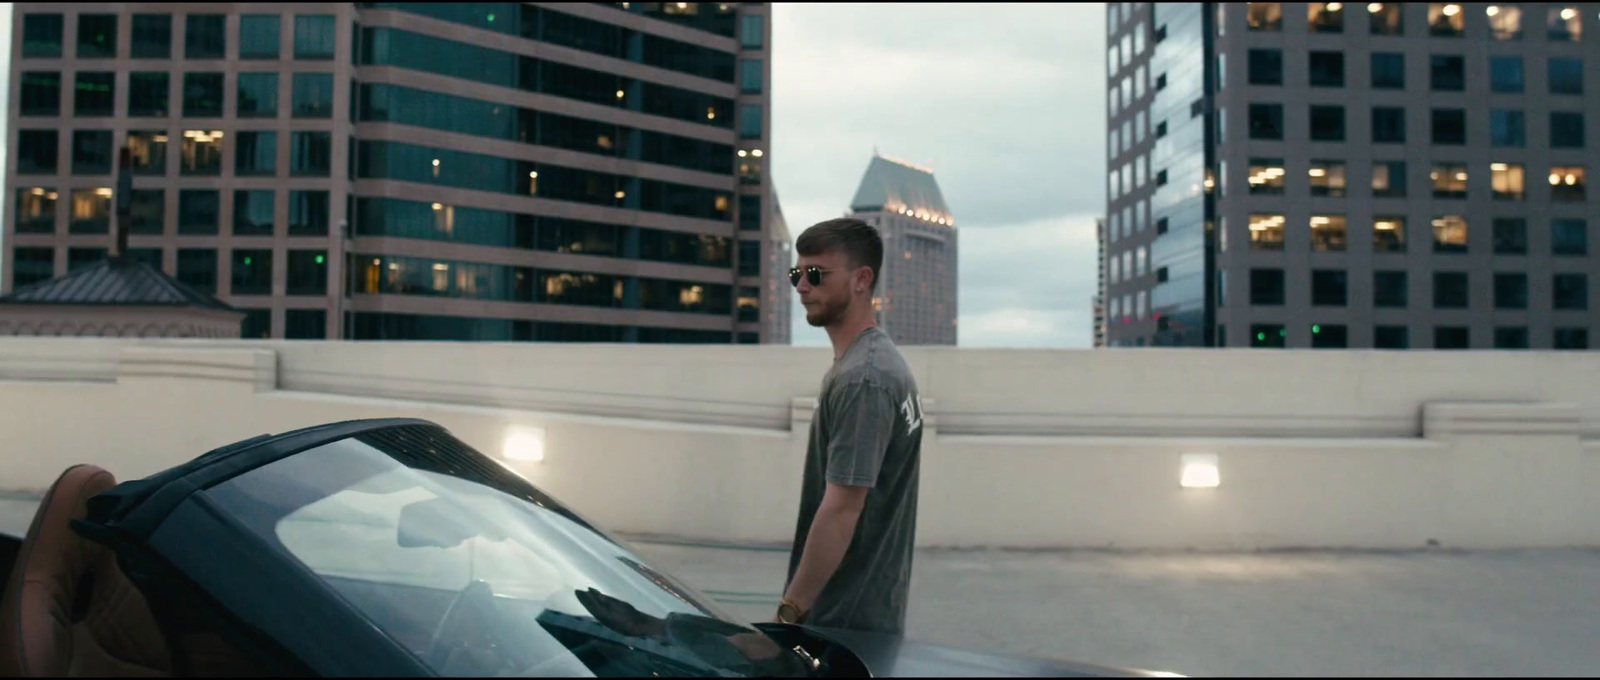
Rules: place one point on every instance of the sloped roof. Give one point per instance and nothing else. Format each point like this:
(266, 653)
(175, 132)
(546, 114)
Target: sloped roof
(892, 185)
(115, 281)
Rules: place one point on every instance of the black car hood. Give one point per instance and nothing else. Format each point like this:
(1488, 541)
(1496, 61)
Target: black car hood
(891, 656)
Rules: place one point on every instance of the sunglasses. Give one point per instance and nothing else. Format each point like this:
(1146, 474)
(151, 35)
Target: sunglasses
(813, 274)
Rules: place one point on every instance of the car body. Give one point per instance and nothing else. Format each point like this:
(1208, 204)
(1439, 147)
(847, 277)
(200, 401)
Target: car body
(387, 547)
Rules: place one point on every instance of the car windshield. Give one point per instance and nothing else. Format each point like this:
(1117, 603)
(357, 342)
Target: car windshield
(479, 577)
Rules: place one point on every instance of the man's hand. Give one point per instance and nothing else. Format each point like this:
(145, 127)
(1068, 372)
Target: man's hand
(832, 529)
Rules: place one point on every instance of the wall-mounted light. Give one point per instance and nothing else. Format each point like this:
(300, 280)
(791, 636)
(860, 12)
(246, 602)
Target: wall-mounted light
(523, 443)
(1200, 471)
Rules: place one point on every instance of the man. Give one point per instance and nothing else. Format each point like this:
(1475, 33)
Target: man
(850, 566)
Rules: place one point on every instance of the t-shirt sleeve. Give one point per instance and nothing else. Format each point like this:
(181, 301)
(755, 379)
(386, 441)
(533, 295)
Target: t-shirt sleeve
(864, 417)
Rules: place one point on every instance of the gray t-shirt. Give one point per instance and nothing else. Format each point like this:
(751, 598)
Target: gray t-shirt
(867, 431)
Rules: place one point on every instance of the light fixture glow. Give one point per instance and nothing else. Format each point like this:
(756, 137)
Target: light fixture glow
(1375, 7)
(1200, 471)
(1569, 13)
(1452, 10)
(1335, 6)
(523, 443)
(756, 153)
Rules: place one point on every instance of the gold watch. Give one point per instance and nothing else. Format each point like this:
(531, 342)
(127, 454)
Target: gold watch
(789, 612)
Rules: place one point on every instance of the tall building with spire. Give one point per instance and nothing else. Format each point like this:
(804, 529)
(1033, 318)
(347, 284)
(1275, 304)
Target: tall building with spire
(916, 296)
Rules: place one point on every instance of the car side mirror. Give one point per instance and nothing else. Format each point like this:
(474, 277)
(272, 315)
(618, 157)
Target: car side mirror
(433, 523)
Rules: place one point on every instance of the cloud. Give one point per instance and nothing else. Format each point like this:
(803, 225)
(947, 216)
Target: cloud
(1005, 102)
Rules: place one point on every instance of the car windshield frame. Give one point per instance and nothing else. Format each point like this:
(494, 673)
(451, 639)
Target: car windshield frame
(683, 632)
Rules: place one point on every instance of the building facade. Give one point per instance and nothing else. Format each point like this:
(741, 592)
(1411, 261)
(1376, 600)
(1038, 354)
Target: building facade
(1379, 175)
(478, 171)
(916, 296)
(1098, 304)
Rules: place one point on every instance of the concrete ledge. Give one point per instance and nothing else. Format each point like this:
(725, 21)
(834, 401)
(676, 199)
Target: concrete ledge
(257, 368)
(1442, 419)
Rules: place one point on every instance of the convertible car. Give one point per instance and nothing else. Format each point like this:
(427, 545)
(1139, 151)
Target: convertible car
(384, 548)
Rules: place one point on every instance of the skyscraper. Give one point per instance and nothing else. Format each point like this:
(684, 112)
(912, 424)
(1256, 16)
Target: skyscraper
(916, 297)
(1099, 302)
(1390, 175)
(477, 171)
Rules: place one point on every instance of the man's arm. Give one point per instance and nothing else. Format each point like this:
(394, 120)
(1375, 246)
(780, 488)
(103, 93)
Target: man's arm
(829, 538)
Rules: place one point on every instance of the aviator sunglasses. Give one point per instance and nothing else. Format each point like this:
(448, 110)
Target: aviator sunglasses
(813, 274)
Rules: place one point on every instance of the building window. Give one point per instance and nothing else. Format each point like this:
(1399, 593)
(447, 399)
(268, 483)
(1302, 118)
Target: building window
(1506, 129)
(1328, 233)
(78, 258)
(252, 272)
(1327, 178)
(41, 94)
(205, 36)
(1327, 123)
(149, 94)
(1446, 20)
(1505, 75)
(149, 151)
(97, 36)
(1325, 17)
(1265, 16)
(202, 152)
(1389, 289)
(308, 272)
(1569, 236)
(1450, 126)
(1391, 337)
(310, 154)
(1266, 232)
(255, 154)
(91, 211)
(1448, 72)
(1329, 288)
(1566, 76)
(260, 36)
(1266, 120)
(41, 36)
(257, 324)
(1449, 180)
(314, 36)
(1389, 234)
(1327, 69)
(1385, 18)
(1268, 335)
(750, 212)
(91, 152)
(1510, 290)
(1508, 181)
(1505, 22)
(1265, 67)
(199, 211)
(749, 303)
(750, 123)
(313, 95)
(1389, 179)
(1451, 337)
(37, 152)
(148, 212)
(1564, 25)
(750, 76)
(308, 213)
(197, 269)
(1571, 338)
(1267, 287)
(750, 163)
(1329, 336)
(36, 210)
(1450, 234)
(305, 324)
(1570, 292)
(1266, 176)
(1450, 290)
(1566, 183)
(202, 95)
(258, 95)
(152, 36)
(752, 31)
(1566, 130)
(1388, 125)
(94, 94)
(1388, 70)
(253, 212)
(1510, 236)
(749, 258)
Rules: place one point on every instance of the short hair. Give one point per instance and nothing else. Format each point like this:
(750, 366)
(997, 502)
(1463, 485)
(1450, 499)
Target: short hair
(859, 241)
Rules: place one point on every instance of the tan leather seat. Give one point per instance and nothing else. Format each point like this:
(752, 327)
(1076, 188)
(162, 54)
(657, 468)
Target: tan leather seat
(68, 609)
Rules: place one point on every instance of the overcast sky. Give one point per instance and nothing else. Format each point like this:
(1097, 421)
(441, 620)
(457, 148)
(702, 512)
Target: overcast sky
(1006, 102)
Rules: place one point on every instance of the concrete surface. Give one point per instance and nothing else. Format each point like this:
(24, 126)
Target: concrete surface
(1514, 613)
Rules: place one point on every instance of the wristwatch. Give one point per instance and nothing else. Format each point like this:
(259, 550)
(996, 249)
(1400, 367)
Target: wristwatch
(789, 612)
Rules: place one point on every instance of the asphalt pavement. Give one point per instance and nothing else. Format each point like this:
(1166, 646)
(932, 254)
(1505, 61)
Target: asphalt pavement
(1425, 613)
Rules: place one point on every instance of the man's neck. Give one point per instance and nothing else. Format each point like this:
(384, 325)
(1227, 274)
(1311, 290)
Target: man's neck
(846, 332)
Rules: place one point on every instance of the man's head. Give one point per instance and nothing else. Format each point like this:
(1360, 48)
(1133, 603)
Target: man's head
(837, 269)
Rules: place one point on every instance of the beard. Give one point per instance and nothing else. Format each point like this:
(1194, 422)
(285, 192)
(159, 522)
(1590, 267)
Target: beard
(824, 314)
